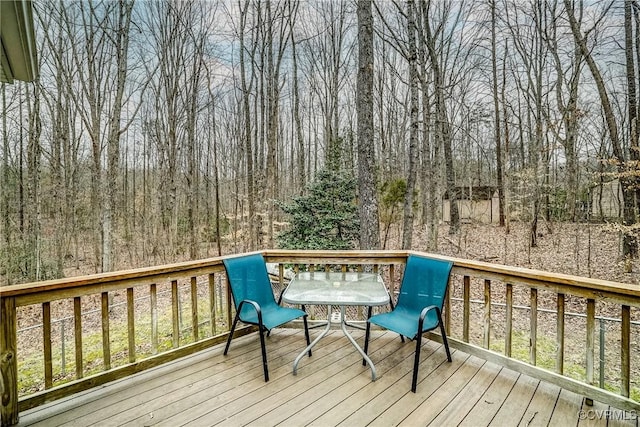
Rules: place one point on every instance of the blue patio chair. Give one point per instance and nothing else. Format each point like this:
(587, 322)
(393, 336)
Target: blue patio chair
(254, 301)
(419, 307)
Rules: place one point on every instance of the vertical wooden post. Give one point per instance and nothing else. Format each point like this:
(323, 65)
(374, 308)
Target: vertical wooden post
(508, 320)
(487, 313)
(212, 303)
(77, 327)
(131, 320)
(447, 311)
(106, 341)
(591, 336)
(280, 280)
(625, 351)
(560, 335)
(533, 333)
(153, 296)
(8, 362)
(46, 344)
(466, 292)
(392, 283)
(175, 314)
(194, 308)
(229, 304)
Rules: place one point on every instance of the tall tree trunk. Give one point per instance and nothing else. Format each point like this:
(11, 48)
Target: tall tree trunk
(634, 147)
(248, 145)
(300, 164)
(33, 214)
(443, 127)
(113, 138)
(6, 193)
(407, 229)
(496, 115)
(368, 201)
(629, 243)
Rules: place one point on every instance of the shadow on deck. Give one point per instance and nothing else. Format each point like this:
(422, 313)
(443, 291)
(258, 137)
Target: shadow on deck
(331, 388)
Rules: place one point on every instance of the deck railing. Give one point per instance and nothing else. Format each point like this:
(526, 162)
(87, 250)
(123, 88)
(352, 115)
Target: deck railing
(538, 323)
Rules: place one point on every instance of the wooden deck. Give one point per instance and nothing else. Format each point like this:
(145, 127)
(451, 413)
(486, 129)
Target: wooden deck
(331, 388)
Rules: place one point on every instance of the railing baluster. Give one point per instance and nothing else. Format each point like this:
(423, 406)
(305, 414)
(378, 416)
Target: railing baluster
(175, 314)
(8, 361)
(63, 358)
(153, 295)
(46, 339)
(194, 308)
(131, 328)
(487, 313)
(508, 319)
(602, 353)
(447, 311)
(466, 282)
(229, 311)
(106, 342)
(77, 326)
(533, 332)
(591, 336)
(392, 283)
(625, 351)
(212, 303)
(560, 335)
(280, 280)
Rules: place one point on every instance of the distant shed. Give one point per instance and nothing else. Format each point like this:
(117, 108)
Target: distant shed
(607, 200)
(479, 204)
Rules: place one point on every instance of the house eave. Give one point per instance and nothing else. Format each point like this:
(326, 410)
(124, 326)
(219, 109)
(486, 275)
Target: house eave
(18, 59)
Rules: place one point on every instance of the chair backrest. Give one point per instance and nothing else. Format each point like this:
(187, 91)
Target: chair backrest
(248, 279)
(424, 283)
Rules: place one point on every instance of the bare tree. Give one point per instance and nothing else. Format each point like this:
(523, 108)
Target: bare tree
(496, 114)
(443, 134)
(414, 82)
(368, 202)
(630, 244)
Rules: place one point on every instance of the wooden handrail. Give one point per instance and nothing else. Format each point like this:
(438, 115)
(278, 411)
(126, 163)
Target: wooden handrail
(474, 277)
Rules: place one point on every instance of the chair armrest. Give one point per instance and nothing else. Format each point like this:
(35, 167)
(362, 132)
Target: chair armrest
(256, 307)
(423, 314)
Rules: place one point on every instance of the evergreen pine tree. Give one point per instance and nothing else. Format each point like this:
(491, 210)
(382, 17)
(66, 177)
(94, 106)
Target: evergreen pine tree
(324, 218)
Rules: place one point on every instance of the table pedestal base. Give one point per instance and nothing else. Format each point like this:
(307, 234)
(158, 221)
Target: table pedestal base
(343, 326)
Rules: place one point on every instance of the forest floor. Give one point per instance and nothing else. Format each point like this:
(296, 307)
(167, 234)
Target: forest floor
(581, 249)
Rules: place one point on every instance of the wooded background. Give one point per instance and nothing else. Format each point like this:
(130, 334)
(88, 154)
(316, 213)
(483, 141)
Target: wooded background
(164, 130)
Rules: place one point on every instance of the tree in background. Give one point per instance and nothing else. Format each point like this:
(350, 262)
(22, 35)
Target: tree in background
(326, 217)
(368, 202)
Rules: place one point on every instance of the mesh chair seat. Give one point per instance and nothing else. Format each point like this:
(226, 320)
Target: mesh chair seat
(405, 322)
(254, 301)
(419, 308)
(272, 316)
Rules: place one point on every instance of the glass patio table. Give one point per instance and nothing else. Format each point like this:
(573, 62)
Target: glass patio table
(336, 289)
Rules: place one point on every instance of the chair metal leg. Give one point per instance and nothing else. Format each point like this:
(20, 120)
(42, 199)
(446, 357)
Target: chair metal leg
(306, 332)
(366, 343)
(264, 354)
(233, 327)
(416, 363)
(444, 336)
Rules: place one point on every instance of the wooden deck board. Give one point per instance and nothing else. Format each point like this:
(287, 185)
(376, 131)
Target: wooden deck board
(331, 388)
(541, 408)
(308, 402)
(492, 400)
(261, 397)
(516, 402)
